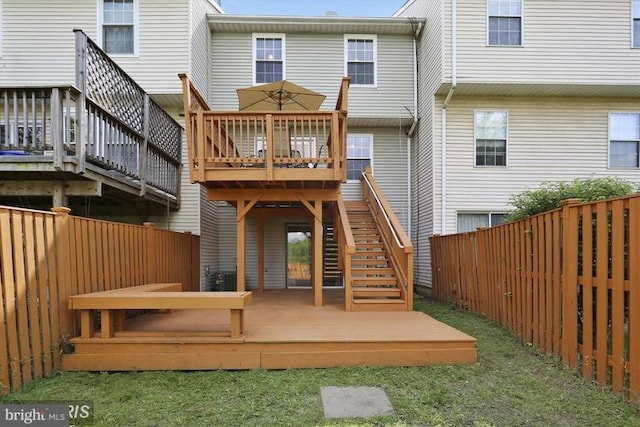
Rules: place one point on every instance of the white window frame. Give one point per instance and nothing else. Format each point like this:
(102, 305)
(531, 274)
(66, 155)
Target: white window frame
(136, 31)
(475, 140)
(635, 16)
(502, 16)
(360, 135)
(487, 213)
(372, 37)
(609, 166)
(254, 57)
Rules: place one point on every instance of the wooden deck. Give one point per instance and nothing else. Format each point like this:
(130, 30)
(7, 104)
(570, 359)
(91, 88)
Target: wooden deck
(283, 330)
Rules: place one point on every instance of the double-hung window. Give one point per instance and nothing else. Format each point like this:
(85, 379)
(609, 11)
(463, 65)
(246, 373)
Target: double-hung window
(505, 22)
(636, 23)
(360, 53)
(624, 140)
(491, 138)
(119, 26)
(268, 58)
(359, 154)
(472, 221)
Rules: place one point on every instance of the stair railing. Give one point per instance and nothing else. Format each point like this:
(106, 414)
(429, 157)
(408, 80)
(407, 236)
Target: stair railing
(395, 239)
(346, 247)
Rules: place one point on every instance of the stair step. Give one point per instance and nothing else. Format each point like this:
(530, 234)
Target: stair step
(369, 245)
(372, 271)
(373, 281)
(365, 254)
(369, 261)
(375, 292)
(379, 305)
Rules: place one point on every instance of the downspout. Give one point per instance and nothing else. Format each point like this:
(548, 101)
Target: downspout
(454, 82)
(414, 125)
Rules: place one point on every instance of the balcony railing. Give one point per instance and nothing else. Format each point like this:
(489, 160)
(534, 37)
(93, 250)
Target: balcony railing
(265, 146)
(106, 120)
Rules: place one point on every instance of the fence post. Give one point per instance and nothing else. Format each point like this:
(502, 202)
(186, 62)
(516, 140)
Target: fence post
(64, 291)
(150, 252)
(569, 259)
(634, 300)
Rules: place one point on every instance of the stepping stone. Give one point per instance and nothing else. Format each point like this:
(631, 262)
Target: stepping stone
(355, 402)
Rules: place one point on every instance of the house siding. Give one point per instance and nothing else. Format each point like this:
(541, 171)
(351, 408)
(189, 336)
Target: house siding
(549, 139)
(568, 42)
(200, 44)
(430, 76)
(163, 42)
(316, 61)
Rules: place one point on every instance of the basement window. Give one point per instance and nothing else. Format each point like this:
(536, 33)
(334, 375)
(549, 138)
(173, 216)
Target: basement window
(472, 221)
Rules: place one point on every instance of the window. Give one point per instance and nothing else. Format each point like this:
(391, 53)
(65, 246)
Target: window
(491, 138)
(624, 140)
(505, 22)
(359, 153)
(472, 221)
(636, 23)
(268, 58)
(119, 27)
(360, 59)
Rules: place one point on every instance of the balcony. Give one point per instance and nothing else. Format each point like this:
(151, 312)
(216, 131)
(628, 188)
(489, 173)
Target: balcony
(265, 149)
(101, 136)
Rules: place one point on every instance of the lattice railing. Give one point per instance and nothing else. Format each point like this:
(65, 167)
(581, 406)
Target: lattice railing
(127, 131)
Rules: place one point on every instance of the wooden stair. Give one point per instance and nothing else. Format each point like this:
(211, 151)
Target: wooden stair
(332, 276)
(374, 284)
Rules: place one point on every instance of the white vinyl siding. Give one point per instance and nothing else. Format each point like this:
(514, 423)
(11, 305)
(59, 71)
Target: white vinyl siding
(624, 140)
(360, 59)
(316, 62)
(269, 58)
(200, 44)
(208, 235)
(566, 43)
(1, 28)
(550, 139)
(118, 24)
(504, 22)
(635, 23)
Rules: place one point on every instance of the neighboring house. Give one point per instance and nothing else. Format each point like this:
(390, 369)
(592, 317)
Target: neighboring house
(152, 41)
(316, 52)
(513, 93)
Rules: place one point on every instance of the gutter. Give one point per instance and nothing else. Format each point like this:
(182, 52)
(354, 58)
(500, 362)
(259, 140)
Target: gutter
(414, 125)
(454, 83)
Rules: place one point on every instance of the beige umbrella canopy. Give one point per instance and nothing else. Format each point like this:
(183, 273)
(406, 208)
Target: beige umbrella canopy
(280, 96)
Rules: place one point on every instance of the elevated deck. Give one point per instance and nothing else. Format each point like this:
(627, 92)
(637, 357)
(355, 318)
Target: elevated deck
(282, 330)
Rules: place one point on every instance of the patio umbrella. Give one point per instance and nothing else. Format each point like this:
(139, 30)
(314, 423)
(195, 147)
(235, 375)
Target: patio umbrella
(280, 96)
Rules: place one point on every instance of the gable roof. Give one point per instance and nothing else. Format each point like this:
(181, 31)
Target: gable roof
(404, 7)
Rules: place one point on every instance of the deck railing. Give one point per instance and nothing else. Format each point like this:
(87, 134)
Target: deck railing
(106, 119)
(566, 281)
(47, 257)
(397, 242)
(220, 141)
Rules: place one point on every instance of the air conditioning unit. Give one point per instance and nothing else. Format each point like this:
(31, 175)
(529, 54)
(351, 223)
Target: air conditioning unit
(225, 281)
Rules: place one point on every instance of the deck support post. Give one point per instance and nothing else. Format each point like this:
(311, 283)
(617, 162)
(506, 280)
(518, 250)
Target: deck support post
(261, 254)
(317, 254)
(240, 244)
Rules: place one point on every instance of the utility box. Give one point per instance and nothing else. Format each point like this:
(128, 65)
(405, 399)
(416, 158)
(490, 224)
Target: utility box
(225, 281)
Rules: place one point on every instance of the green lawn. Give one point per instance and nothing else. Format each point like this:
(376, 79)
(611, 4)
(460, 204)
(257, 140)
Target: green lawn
(510, 385)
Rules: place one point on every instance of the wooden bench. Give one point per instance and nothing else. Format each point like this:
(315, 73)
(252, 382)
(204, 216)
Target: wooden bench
(112, 305)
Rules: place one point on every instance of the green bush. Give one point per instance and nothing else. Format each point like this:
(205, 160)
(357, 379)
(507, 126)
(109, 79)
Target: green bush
(550, 194)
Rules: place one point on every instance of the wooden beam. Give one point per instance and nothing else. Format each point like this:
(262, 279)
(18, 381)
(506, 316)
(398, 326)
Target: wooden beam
(242, 213)
(261, 254)
(317, 255)
(47, 188)
(240, 246)
(317, 212)
(276, 195)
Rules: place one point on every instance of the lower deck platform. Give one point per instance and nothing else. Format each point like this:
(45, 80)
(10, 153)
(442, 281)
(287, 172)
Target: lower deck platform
(283, 330)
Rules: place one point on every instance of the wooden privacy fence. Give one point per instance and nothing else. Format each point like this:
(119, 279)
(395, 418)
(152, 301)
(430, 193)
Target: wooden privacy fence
(566, 281)
(47, 257)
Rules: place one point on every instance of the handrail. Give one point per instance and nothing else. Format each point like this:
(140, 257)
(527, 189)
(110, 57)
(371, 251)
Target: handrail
(398, 232)
(191, 92)
(346, 227)
(343, 96)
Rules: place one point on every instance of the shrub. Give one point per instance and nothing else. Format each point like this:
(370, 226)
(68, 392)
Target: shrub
(550, 194)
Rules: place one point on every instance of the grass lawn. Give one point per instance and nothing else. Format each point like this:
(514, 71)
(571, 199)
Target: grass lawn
(510, 385)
